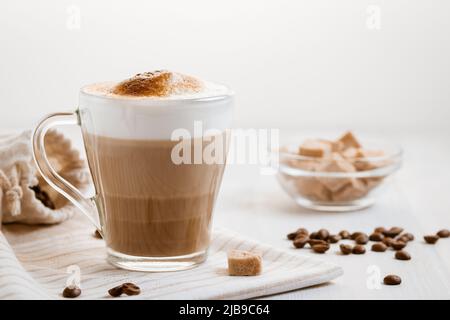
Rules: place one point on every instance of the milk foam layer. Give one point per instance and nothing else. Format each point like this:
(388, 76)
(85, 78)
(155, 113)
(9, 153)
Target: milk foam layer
(109, 114)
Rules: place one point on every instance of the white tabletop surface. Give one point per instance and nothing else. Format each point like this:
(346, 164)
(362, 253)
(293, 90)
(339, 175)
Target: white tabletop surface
(417, 198)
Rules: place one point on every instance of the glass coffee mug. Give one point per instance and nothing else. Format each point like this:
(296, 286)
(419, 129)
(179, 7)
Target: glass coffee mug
(154, 193)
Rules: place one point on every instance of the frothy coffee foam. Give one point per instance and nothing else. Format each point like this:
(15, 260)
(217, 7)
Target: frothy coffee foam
(160, 84)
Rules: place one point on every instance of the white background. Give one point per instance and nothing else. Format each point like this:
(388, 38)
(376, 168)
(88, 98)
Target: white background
(312, 64)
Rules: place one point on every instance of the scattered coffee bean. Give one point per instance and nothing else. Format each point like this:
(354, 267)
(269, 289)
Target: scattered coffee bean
(314, 235)
(402, 255)
(334, 238)
(291, 236)
(345, 248)
(408, 236)
(116, 291)
(313, 242)
(300, 242)
(71, 292)
(362, 239)
(380, 230)
(130, 289)
(302, 231)
(323, 234)
(97, 234)
(392, 280)
(431, 239)
(398, 245)
(376, 236)
(356, 235)
(379, 247)
(393, 232)
(444, 233)
(359, 249)
(320, 248)
(387, 241)
(344, 234)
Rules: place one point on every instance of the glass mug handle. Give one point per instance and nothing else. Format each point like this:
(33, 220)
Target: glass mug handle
(85, 204)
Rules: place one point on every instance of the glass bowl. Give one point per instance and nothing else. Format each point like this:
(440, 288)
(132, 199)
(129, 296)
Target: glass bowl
(325, 185)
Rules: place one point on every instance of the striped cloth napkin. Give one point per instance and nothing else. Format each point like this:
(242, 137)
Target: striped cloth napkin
(36, 261)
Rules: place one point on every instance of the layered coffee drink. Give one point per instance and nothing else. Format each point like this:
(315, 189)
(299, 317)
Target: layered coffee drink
(150, 204)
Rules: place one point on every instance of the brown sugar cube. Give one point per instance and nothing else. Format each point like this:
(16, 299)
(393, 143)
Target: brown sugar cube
(336, 164)
(244, 263)
(354, 190)
(364, 165)
(335, 146)
(372, 183)
(314, 148)
(312, 189)
(349, 140)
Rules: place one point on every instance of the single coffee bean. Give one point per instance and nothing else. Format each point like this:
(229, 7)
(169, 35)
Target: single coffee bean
(380, 230)
(409, 236)
(362, 239)
(402, 255)
(116, 291)
(313, 242)
(302, 231)
(71, 292)
(314, 235)
(345, 248)
(393, 232)
(359, 249)
(344, 234)
(431, 239)
(334, 238)
(320, 248)
(444, 233)
(291, 236)
(398, 245)
(323, 234)
(376, 236)
(300, 242)
(130, 289)
(356, 235)
(392, 280)
(379, 247)
(97, 234)
(387, 241)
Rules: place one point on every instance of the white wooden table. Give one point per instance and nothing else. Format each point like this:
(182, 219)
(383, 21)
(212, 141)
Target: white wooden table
(417, 199)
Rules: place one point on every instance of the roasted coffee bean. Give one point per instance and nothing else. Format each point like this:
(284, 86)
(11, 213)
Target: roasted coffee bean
(398, 245)
(345, 248)
(379, 247)
(356, 235)
(300, 242)
(408, 236)
(392, 280)
(323, 234)
(116, 291)
(359, 249)
(314, 235)
(313, 242)
(362, 239)
(334, 238)
(344, 234)
(302, 231)
(431, 239)
(130, 289)
(444, 233)
(376, 236)
(97, 234)
(291, 236)
(380, 230)
(71, 292)
(320, 248)
(402, 255)
(393, 232)
(387, 241)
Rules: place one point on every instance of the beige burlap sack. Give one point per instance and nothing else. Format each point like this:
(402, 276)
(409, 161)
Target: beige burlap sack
(24, 195)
